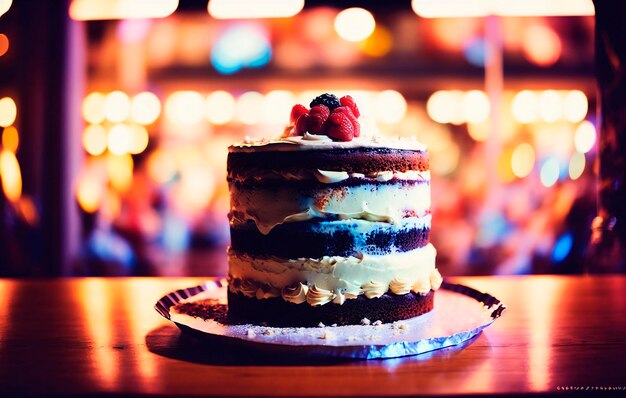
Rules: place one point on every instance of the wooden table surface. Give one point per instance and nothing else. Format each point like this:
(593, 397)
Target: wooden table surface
(102, 336)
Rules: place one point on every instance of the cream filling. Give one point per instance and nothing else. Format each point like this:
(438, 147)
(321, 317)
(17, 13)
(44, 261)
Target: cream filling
(317, 142)
(386, 203)
(336, 278)
(330, 177)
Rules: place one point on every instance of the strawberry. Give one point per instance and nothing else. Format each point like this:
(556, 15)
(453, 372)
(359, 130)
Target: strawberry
(348, 112)
(340, 127)
(349, 102)
(297, 111)
(302, 124)
(318, 116)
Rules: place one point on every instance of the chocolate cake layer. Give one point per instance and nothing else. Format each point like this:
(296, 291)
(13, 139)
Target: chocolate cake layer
(277, 312)
(322, 238)
(353, 160)
(312, 185)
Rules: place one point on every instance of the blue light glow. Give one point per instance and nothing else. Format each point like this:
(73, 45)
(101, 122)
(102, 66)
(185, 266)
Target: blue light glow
(241, 46)
(474, 51)
(562, 247)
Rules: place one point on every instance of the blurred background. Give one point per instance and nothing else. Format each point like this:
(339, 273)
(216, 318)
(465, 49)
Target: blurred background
(116, 117)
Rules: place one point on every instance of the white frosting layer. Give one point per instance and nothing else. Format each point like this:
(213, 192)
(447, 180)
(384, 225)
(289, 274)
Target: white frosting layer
(344, 277)
(307, 142)
(372, 202)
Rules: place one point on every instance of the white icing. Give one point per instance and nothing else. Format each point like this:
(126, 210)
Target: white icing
(317, 142)
(387, 203)
(348, 275)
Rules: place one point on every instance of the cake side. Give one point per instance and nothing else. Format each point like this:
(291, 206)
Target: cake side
(343, 226)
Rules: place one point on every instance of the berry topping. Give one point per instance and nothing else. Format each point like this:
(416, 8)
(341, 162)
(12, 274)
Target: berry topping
(302, 124)
(297, 111)
(348, 101)
(329, 100)
(348, 112)
(318, 116)
(340, 127)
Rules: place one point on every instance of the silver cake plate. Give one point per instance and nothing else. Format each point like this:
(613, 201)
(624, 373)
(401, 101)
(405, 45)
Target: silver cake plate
(460, 314)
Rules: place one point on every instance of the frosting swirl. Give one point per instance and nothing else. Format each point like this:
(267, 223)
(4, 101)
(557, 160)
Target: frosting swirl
(422, 286)
(374, 289)
(318, 296)
(296, 293)
(435, 279)
(399, 286)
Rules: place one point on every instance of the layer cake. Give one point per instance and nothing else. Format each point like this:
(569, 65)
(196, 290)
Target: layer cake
(329, 230)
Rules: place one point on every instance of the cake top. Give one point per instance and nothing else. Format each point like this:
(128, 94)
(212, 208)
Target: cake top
(330, 123)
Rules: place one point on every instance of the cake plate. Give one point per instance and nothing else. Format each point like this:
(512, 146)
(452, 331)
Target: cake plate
(460, 313)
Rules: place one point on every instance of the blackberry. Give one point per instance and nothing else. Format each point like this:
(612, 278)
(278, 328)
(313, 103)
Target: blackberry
(329, 100)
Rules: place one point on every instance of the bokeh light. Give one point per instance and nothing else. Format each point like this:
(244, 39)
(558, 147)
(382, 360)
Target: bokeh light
(120, 171)
(95, 139)
(585, 136)
(161, 166)
(248, 106)
(245, 9)
(475, 106)
(89, 191)
(8, 111)
(354, 24)
(523, 160)
(241, 46)
(442, 106)
(11, 175)
(116, 106)
(277, 106)
(89, 10)
(525, 107)
(550, 106)
(138, 141)
(93, 108)
(379, 43)
(549, 173)
(220, 107)
(5, 5)
(576, 165)
(184, 107)
(479, 131)
(390, 106)
(10, 139)
(145, 108)
(541, 45)
(575, 106)
(504, 171)
(4, 44)
(119, 139)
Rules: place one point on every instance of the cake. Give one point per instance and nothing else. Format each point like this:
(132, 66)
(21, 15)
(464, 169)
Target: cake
(329, 224)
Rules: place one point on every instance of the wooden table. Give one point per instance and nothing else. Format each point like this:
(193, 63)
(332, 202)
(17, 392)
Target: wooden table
(101, 336)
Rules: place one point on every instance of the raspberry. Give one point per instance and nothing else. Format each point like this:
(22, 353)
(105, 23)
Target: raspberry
(328, 100)
(297, 111)
(348, 112)
(348, 101)
(318, 116)
(339, 127)
(302, 124)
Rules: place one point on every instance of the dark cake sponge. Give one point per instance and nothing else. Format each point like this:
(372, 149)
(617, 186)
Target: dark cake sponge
(354, 160)
(295, 240)
(278, 312)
